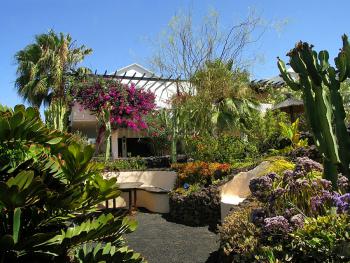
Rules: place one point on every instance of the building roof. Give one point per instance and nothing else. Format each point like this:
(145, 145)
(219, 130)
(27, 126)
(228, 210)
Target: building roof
(276, 81)
(135, 67)
(289, 102)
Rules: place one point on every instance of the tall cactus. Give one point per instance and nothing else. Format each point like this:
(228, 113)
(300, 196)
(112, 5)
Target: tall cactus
(320, 83)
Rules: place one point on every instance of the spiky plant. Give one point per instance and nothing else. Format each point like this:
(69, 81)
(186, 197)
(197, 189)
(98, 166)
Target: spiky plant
(320, 83)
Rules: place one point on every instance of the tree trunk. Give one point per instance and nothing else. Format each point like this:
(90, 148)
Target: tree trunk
(108, 133)
(174, 138)
(55, 115)
(100, 137)
(60, 112)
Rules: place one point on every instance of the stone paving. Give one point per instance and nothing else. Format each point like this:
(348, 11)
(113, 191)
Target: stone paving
(161, 241)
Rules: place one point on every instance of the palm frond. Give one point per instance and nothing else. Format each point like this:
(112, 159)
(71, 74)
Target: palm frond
(41, 66)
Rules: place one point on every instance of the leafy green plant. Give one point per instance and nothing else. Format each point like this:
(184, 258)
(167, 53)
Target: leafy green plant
(131, 163)
(325, 239)
(80, 138)
(265, 131)
(278, 164)
(48, 189)
(224, 149)
(239, 236)
(293, 135)
(193, 188)
(244, 164)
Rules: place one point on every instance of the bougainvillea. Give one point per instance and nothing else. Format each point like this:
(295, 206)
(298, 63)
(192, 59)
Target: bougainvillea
(128, 105)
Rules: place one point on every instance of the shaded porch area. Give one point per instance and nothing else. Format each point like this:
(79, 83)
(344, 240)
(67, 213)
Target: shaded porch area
(124, 142)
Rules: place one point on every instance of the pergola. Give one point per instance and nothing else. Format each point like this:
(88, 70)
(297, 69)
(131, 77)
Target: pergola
(157, 82)
(162, 81)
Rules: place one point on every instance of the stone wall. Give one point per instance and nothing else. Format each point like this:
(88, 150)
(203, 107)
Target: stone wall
(196, 209)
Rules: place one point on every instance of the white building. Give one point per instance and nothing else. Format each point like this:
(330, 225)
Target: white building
(125, 140)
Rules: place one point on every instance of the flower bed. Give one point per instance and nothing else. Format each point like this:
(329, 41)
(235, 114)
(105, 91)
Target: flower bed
(298, 217)
(200, 173)
(196, 199)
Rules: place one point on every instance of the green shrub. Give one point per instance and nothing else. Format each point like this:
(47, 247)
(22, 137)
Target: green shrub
(48, 189)
(132, 163)
(278, 164)
(239, 236)
(241, 164)
(230, 149)
(265, 131)
(201, 148)
(193, 188)
(323, 239)
(224, 149)
(159, 132)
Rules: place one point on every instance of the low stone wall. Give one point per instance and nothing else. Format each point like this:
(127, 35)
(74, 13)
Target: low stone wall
(196, 209)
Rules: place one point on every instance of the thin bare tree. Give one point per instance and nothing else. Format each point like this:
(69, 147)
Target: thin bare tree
(183, 48)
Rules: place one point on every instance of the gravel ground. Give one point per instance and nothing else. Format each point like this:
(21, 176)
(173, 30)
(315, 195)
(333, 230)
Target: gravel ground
(161, 241)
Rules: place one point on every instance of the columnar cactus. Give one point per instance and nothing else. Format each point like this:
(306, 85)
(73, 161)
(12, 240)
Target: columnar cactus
(320, 83)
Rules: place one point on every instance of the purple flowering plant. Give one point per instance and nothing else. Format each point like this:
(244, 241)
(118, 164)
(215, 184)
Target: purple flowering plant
(295, 195)
(288, 199)
(343, 184)
(294, 188)
(277, 225)
(275, 229)
(328, 201)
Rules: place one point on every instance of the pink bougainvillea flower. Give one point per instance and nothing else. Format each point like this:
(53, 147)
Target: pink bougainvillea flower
(129, 105)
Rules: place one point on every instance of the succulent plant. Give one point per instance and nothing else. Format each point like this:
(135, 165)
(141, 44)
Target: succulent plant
(320, 83)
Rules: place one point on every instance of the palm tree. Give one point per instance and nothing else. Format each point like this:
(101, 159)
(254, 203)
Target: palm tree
(43, 69)
(223, 100)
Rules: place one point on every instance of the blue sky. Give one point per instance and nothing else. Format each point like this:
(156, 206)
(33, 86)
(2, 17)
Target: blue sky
(117, 30)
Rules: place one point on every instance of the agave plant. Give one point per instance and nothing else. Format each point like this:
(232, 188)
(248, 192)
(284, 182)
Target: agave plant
(48, 191)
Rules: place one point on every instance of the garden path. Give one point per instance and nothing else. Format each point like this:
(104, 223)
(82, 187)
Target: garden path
(161, 241)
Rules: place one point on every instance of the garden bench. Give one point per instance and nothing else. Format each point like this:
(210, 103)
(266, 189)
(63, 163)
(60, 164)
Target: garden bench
(152, 194)
(153, 189)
